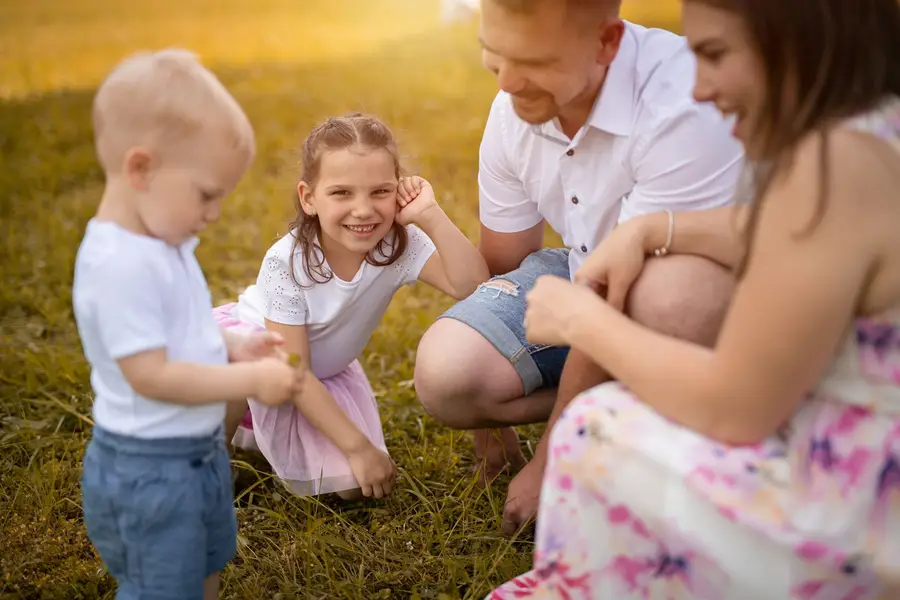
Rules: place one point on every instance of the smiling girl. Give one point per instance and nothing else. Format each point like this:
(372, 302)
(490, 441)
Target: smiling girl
(361, 232)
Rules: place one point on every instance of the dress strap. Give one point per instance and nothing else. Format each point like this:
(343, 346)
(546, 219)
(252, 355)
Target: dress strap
(883, 122)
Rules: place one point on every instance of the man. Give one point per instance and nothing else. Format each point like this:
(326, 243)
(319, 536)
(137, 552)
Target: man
(593, 125)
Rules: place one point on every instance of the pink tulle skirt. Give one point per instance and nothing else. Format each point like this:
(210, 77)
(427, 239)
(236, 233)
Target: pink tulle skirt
(301, 456)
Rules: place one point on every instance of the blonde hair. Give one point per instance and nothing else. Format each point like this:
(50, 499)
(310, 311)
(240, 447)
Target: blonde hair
(160, 98)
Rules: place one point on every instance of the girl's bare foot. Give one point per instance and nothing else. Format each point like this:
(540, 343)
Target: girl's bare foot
(350, 495)
(497, 451)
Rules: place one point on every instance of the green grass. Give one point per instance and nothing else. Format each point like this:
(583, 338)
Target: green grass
(290, 63)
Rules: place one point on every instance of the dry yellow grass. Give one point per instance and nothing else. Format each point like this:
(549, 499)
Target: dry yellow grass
(290, 64)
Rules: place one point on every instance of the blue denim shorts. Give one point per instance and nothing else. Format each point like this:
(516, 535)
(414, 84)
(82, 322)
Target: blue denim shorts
(160, 512)
(496, 310)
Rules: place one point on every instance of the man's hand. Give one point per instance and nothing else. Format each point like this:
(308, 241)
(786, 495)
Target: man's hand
(523, 497)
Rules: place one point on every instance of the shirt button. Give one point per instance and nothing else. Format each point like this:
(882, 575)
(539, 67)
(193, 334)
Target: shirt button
(583, 248)
(574, 199)
(570, 152)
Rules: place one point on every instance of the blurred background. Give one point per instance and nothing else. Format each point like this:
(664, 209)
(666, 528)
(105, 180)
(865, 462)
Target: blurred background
(290, 63)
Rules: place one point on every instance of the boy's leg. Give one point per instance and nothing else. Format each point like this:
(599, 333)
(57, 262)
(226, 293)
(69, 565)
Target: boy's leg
(144, 512)
(475, 369)
(99, 499)
(220, 520)
(211, 587)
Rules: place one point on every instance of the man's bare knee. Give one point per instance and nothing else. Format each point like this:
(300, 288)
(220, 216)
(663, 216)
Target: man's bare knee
(459, 375)
(682, 296)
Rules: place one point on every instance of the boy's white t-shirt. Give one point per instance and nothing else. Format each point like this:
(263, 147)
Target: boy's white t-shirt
(131, 294)
(340, 316)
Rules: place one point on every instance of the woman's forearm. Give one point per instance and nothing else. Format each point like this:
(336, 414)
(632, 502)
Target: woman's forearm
(714, 233)
(674, 377)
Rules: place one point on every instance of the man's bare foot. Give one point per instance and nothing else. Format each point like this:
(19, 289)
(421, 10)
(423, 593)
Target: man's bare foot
(496, 451)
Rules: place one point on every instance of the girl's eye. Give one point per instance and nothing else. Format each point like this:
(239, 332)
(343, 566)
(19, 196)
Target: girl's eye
(339, 193)
(382, 192)
(207, 197)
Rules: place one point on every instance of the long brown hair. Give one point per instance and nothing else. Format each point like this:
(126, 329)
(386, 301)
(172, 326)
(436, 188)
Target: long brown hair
(337, 133)
(837, 58)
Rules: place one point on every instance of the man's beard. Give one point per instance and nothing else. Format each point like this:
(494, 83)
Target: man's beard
(535, 109)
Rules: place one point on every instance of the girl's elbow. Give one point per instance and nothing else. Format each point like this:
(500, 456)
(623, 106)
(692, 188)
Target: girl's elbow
(461, 291)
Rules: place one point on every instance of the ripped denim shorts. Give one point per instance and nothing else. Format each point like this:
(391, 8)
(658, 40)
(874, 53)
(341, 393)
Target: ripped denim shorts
(496, 310)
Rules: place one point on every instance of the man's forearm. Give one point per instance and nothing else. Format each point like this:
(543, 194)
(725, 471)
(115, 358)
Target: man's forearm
(504, 252)
(580, 373)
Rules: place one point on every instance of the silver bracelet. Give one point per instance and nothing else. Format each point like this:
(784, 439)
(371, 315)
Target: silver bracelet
(665, 249)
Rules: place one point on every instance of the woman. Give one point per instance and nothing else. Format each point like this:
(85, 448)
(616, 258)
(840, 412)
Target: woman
(768, 466)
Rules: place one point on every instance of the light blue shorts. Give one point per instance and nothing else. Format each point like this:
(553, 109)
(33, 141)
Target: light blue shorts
(160, 512)
(498, 314)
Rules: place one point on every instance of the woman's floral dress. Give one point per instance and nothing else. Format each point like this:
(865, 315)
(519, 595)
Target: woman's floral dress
(635, 506)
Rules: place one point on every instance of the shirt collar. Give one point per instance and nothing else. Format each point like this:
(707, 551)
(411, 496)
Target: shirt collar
(613, 111)
(189, 245)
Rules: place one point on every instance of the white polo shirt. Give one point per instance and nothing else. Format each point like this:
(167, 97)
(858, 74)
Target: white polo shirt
(647, 146)
(133, 294)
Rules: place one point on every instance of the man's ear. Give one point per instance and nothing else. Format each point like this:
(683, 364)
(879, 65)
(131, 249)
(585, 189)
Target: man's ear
(610, 38)
(138, 167)
(305, 194)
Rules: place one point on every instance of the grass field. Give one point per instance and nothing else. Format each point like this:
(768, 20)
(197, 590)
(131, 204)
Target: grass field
(290, 63)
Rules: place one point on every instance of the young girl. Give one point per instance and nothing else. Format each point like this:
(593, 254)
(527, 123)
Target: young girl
(769, 465)
(361, 232)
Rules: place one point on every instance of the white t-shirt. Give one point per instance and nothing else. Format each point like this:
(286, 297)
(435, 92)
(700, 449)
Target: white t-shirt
(340, 316)
(132, 294)
(647, 146)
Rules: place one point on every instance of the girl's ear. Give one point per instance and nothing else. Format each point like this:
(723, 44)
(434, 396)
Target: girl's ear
(305, 193)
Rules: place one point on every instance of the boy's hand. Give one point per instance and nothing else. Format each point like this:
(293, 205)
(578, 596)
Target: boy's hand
(276, 382)
(255, 346)
(414, 197)
(374, 471)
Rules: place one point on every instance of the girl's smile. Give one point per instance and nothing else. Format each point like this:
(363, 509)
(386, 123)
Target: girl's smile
(354, 198)
(362, 231)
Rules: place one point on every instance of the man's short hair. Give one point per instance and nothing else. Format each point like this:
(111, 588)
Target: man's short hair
(156, 98)
(528, 6)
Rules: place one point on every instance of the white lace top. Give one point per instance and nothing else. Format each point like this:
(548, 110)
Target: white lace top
(340, 316)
